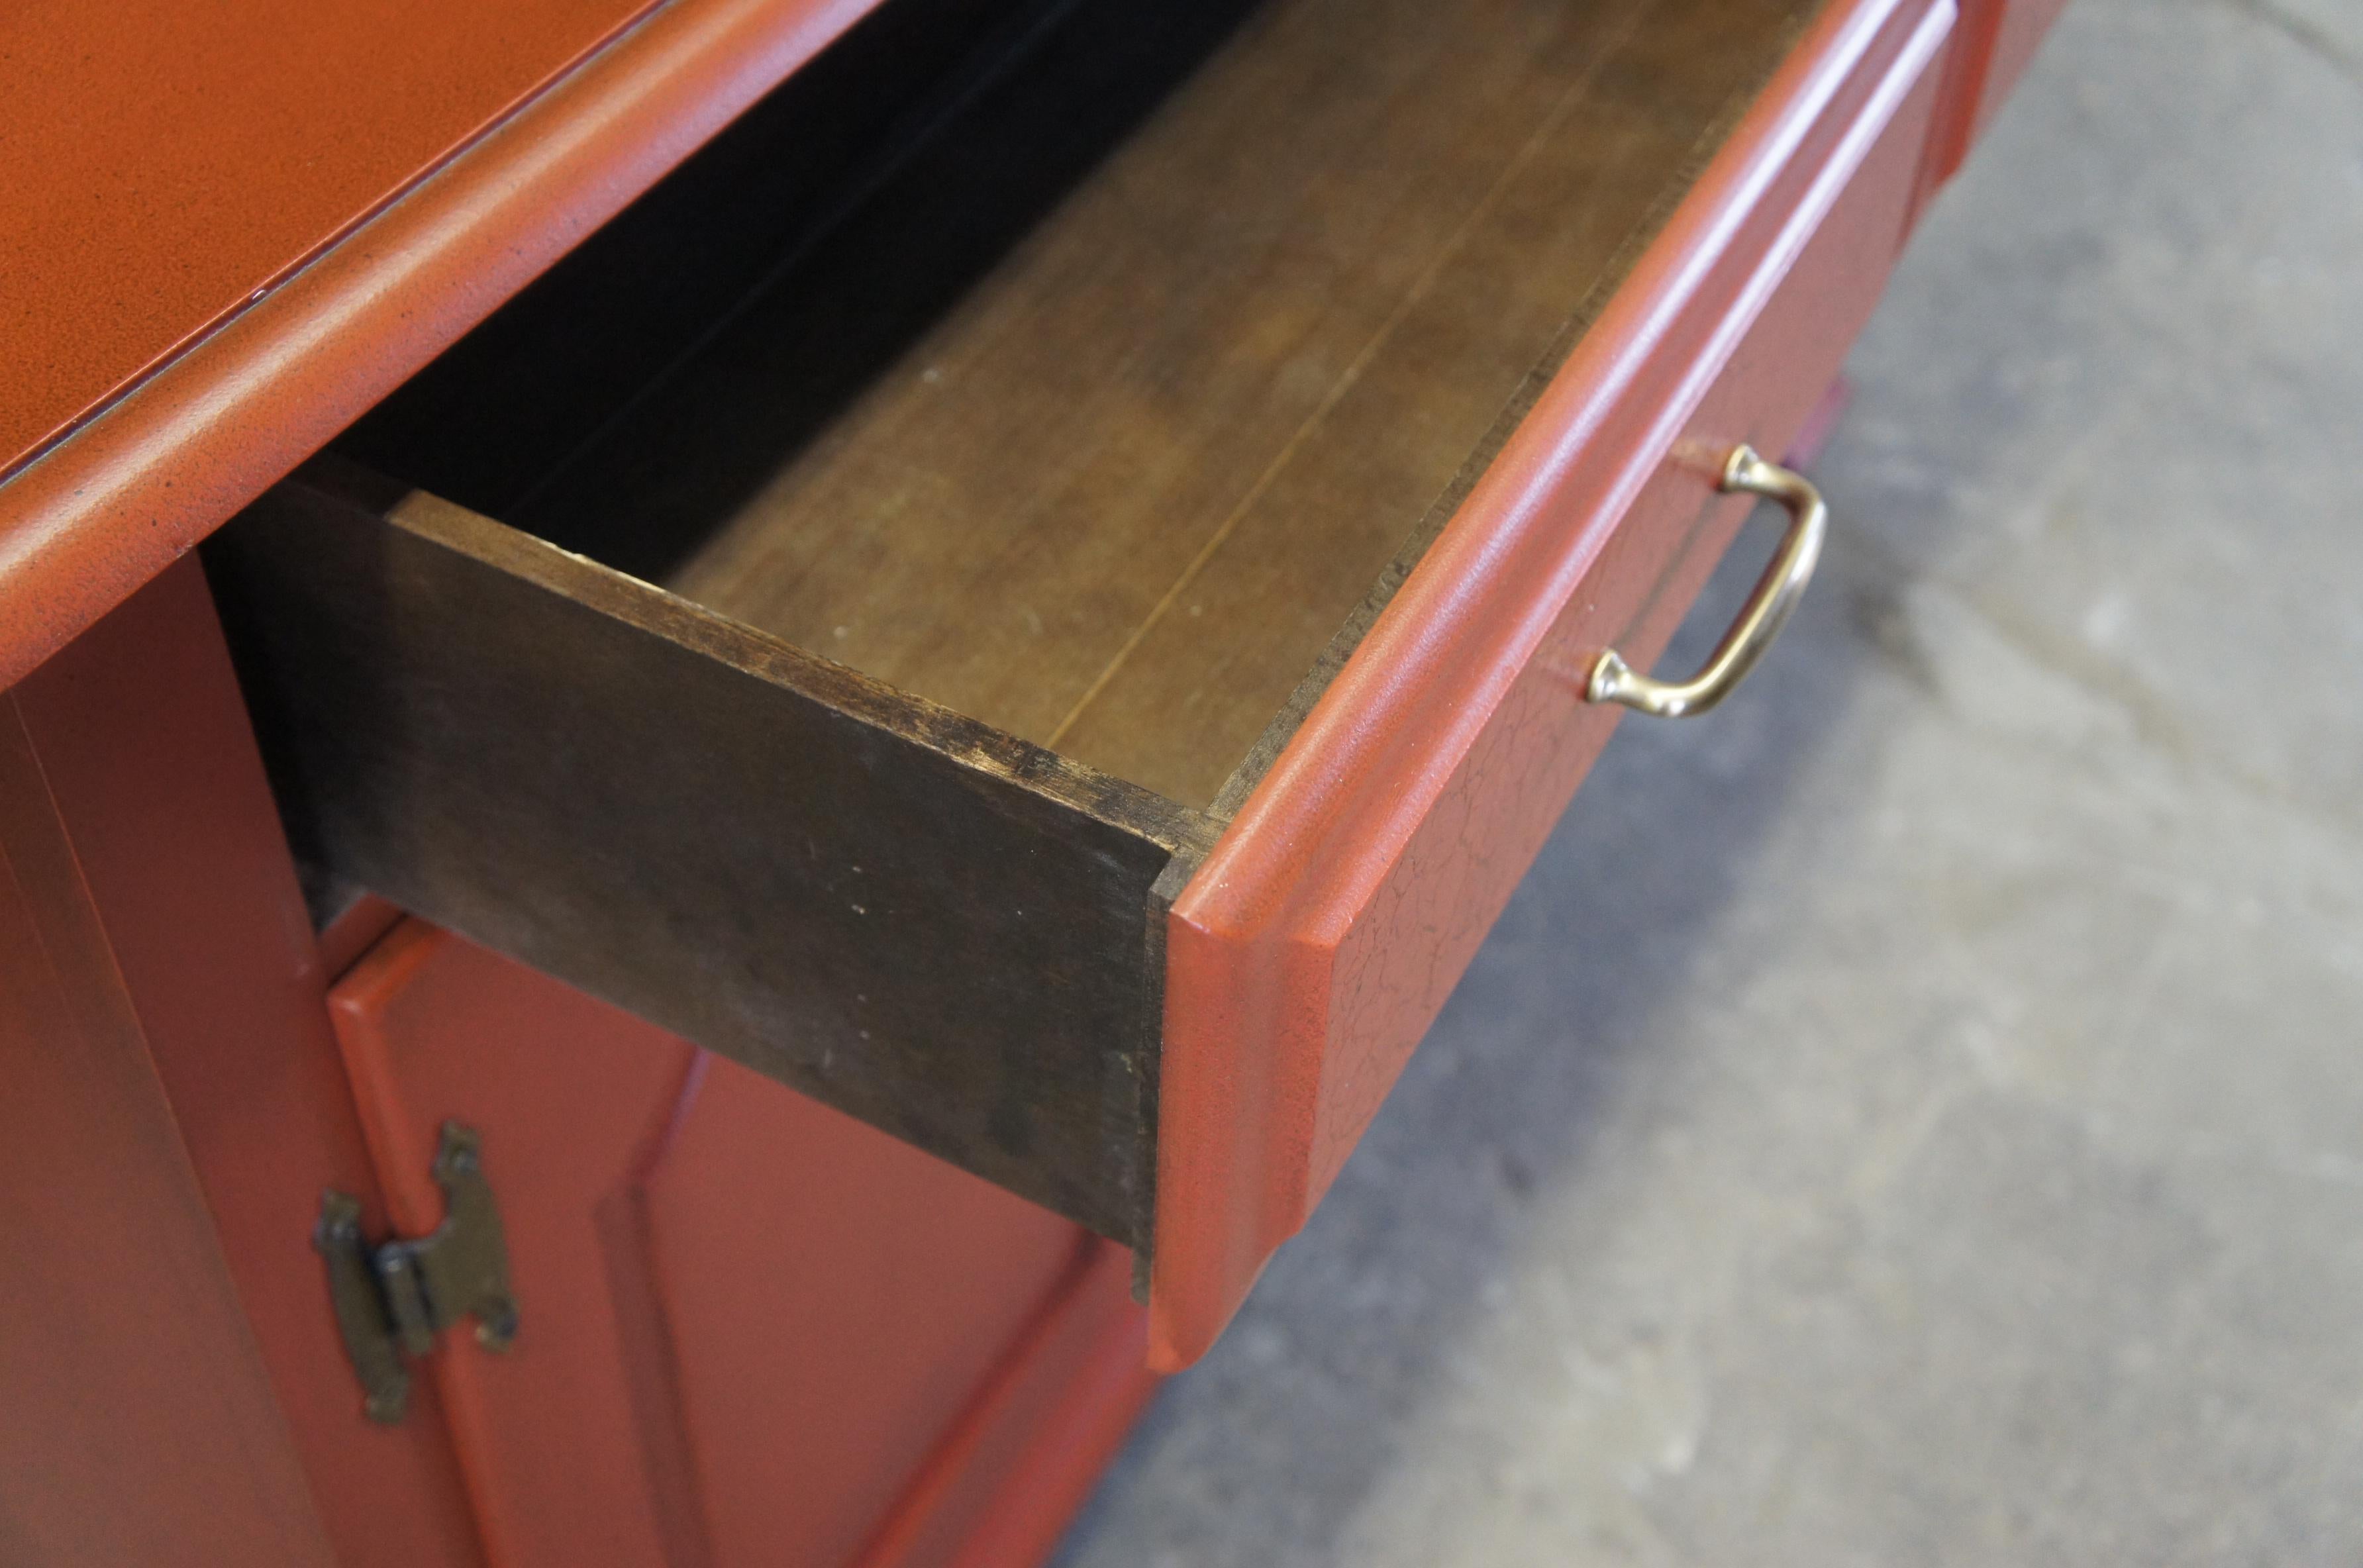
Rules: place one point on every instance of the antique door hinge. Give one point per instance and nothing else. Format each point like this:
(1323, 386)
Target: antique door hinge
(393, 1299)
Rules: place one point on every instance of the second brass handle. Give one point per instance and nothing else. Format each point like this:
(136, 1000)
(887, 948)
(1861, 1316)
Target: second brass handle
(1759, 620)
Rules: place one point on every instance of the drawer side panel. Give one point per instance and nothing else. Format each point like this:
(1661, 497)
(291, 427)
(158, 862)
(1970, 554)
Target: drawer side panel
(933, 927)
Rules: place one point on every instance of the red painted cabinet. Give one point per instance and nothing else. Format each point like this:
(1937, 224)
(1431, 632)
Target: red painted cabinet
(1998, 38)
(140, 1420)
(749, 1323)
(844, 699)
(755, 1330)
(1410, 359)
(1312, 950)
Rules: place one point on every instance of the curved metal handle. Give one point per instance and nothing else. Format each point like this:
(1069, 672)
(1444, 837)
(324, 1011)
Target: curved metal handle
(1775, 595)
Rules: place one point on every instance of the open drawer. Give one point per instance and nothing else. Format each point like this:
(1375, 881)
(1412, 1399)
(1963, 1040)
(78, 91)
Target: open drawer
(1046, 579)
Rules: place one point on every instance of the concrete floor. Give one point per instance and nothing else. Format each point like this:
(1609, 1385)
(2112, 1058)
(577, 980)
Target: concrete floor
(1916, 1115)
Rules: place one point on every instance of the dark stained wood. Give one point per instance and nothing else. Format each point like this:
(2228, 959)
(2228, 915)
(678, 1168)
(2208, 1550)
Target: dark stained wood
(1699, 76)
(891, 907)
(1098, 435)
(1213, 688)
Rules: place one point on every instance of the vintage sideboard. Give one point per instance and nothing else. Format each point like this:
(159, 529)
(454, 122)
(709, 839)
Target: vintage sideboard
(1032, 570)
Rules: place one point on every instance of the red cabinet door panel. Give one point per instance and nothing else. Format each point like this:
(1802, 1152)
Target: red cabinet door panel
(1313, 949)
(834, 1301)
(747, 1320)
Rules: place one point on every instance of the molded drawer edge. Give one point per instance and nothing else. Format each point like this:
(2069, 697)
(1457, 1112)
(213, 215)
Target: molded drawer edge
(1308, 953)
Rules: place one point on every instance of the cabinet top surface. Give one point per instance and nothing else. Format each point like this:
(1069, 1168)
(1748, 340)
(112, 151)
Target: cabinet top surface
(227, 230)
(165, 162)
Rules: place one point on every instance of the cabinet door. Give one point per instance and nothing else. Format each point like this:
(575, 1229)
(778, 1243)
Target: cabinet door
(752, 1329)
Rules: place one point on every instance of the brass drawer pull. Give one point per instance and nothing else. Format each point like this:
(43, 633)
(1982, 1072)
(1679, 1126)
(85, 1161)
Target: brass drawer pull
(1760, 620)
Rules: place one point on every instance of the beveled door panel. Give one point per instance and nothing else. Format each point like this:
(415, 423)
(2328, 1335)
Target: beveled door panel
(746, 1319)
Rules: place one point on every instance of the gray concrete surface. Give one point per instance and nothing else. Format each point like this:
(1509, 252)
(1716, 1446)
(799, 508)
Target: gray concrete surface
(1916, 1115)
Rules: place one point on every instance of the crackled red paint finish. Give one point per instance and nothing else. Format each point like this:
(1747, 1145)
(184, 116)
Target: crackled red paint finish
(1314, 946)
(142, 740)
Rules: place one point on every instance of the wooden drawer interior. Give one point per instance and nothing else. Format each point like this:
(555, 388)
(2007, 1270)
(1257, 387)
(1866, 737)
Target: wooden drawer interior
(1092, 396)
(961, 475)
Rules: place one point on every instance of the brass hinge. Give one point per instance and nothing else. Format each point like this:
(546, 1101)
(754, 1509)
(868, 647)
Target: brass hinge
(393, 1298)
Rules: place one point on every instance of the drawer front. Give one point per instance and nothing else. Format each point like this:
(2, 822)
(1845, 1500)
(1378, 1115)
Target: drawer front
(1310, 951)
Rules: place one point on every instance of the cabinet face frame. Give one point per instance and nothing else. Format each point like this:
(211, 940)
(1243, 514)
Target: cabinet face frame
(238, 1112)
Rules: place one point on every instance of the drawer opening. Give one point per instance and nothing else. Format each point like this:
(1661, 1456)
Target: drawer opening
(962, 474)
(1080, 367)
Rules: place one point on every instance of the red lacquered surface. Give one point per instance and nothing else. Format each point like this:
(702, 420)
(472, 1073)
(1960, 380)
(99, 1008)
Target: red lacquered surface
(747, 1320)
(1312, 950)
(836, 1301)
(156, 469)
(144, 744)
(1060, 1468)
(166, 160)
(1005, 1482)
(137, 1422)
(424, 1041)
